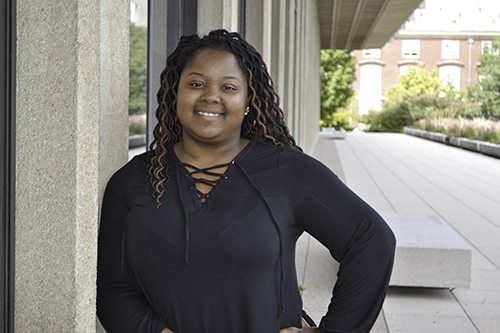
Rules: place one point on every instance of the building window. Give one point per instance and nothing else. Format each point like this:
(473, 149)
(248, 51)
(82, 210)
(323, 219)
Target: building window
(403, 70)
(488, 44)
(450, 49)
(371, 53)
(411, 48)
(370, 88)
(450, 74)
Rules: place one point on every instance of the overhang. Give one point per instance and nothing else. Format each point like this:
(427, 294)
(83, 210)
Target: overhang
(361, 24)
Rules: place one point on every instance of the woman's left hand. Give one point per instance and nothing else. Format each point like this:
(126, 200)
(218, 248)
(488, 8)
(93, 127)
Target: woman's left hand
(300, 330)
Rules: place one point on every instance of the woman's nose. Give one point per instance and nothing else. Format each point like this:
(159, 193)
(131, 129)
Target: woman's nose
(211, 95)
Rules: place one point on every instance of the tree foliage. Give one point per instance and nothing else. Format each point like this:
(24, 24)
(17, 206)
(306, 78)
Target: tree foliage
(486, 92)
(418, 81)
(419, 94)
(337, 74)
(138, 68)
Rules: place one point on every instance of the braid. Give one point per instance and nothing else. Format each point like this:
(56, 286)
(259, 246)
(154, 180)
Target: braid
(264, 122)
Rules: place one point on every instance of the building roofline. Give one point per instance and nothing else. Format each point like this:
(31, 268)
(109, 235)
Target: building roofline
(441, 34)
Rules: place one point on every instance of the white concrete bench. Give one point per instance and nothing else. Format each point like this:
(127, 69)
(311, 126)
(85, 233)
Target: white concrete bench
(428, 253)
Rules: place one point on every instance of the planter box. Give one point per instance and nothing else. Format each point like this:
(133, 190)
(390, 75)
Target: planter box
(486, 148)
(428, 253)
(490, 149)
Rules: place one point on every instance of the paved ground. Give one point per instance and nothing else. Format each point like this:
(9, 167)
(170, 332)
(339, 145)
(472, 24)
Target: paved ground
(404, 174)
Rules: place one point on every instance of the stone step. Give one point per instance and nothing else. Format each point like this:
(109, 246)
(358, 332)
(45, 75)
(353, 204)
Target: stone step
(428, 253)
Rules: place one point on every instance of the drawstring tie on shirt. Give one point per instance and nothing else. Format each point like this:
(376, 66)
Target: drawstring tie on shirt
(276, 224)
(204, 196)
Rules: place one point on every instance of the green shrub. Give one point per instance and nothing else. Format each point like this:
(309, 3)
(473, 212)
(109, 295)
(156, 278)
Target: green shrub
(137, 124)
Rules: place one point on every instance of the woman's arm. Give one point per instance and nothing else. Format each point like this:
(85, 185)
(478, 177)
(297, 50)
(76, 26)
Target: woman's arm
(355, 235)
(121, 305)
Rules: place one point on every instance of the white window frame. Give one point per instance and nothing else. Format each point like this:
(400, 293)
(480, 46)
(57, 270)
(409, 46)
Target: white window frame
(452, 73)
(450, 49)
(488, 43)
(410, 48)
(372, 53)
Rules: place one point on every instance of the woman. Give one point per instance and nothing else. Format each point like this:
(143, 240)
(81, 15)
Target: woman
(198, 235)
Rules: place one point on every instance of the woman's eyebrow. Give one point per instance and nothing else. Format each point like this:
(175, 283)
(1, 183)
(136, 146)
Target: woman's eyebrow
(196, 73)
(224, 77)
(231, 77)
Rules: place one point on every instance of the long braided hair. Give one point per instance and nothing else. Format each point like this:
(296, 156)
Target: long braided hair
(264, 121)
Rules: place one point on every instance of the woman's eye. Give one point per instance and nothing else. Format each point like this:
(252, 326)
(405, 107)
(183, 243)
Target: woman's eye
(196, 84)
(228, 88)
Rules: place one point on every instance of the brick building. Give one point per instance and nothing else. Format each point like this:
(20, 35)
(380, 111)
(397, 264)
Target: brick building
(448, 36)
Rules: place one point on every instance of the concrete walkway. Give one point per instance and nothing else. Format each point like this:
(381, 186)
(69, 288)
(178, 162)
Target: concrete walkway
(398, 173)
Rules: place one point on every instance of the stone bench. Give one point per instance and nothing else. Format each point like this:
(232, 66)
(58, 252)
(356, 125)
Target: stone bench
(428, 253)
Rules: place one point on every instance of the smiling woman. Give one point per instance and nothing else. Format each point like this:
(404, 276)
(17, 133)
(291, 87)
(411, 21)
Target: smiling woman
(212, 100)
(198, 235)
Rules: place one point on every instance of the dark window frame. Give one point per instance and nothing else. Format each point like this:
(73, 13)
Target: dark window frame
(182, 16)
(7, 160)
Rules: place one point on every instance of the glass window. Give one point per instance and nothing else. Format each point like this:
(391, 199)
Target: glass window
(486, 44)
(403, 70)
(371, 53)
(411, 48)
(450, 49)
(370, 90)
(450, 73)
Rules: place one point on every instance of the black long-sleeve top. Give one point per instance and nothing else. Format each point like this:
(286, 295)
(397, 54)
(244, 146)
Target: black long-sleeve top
(228, 265)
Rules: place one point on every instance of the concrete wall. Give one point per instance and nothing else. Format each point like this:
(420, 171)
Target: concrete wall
(216, 14)
(72, 101)
(286, 32)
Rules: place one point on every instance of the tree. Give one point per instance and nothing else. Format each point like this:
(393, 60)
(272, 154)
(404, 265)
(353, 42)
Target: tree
(337, 74)
(486, 92)
(138, 68)
(418, 94)
(418, 81)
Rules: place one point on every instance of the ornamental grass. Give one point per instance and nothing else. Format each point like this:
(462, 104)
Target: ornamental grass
(477, 128)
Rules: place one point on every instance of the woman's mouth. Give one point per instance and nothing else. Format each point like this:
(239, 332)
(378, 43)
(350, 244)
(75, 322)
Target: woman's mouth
(209, 114)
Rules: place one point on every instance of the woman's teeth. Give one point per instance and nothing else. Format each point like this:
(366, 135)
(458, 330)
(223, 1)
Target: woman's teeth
(209, 114)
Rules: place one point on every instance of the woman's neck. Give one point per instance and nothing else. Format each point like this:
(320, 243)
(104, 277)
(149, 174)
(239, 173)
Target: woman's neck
(204, 156)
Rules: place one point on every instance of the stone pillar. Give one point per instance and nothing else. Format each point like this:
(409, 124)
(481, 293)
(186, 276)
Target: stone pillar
(311, 99)
(72, 102)
(258, 27)
(289, 89)
(278, 47)
(217, 14)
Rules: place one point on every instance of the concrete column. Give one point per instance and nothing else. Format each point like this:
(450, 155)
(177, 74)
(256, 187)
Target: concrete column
(72, 102)
(278, 46)
(288, 99)
(311, 99)
(258, 27)
(217, 14)
(297, 67)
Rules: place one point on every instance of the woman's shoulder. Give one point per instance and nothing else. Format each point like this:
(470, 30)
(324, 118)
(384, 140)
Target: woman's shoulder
(291, 161)
(136, 168)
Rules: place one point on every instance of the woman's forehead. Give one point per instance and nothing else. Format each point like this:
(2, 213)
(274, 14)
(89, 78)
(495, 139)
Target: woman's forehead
(214, 60)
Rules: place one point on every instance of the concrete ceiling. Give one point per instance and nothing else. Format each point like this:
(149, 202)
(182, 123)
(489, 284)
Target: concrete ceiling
(361, 24)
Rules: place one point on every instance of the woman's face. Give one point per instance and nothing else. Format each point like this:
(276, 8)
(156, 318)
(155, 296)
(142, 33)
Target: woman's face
(212, 98)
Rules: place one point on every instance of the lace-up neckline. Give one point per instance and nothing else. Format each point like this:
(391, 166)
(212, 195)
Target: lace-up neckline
(213, 177)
